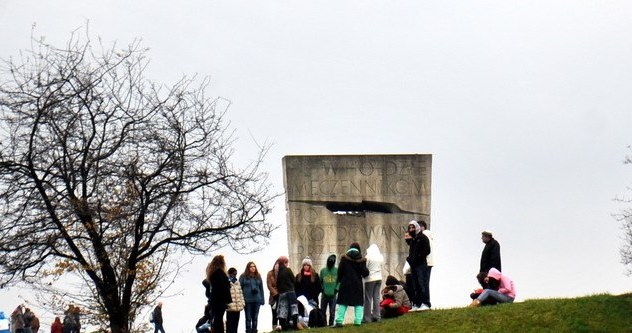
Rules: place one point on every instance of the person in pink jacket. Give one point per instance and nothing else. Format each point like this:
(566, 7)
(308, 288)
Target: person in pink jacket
(506, 291)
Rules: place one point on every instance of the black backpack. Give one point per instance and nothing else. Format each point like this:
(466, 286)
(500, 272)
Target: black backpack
(317, 318)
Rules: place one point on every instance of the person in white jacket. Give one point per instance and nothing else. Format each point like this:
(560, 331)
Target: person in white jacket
(430, 259)
(373, 284)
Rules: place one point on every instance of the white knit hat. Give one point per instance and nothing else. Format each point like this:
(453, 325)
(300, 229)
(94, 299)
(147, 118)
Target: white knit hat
(307, 261)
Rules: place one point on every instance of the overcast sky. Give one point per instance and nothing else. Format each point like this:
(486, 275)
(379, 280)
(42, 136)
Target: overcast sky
(526, 107)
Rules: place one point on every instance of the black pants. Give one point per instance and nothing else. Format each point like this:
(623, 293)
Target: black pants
(232, 321)
(218, 319)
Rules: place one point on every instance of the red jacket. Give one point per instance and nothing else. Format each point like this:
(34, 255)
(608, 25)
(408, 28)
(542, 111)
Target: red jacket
(56, 327)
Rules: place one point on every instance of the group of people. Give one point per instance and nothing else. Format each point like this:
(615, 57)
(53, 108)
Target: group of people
(24, 320)
(354, 283)
(227, 294)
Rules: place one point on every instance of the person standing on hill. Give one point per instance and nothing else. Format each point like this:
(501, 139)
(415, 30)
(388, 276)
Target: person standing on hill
(238, 303)
(220, 292)
(252, 286)
(429, 261)
(328, 276)
(491, 253)
(419, 249)
(157, 317)
(373, 284)
(351, 294)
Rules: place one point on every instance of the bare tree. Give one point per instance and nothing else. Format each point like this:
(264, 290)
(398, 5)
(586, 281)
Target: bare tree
(625, 218)
(108, 175)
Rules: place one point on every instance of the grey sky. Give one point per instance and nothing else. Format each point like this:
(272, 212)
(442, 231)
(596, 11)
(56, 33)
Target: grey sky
(525, 106)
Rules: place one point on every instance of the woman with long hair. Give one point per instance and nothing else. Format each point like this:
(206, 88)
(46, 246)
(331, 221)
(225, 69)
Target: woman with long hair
(273, 300)
(252, 287)
(220, 291)
(287, 309)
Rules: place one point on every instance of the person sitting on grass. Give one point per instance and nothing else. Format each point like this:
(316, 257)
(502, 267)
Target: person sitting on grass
(395, 301)
(485, 284)
(506, 292)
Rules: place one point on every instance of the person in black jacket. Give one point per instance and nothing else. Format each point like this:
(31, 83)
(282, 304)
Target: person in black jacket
(220, 292)
(490, 258)
(351, 270)
(287, 306)
(157, 317)
(419, 249)
(308, 282)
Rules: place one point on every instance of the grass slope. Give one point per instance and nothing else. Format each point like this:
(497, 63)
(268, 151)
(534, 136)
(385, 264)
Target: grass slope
(600, 313)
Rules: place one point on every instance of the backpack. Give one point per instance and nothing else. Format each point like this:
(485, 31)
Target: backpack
(317, 318)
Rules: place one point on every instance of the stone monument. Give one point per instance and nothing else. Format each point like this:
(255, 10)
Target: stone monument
(334, 200)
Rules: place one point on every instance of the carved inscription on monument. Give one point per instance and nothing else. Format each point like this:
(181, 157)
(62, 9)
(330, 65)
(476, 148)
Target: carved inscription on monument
(333, 201)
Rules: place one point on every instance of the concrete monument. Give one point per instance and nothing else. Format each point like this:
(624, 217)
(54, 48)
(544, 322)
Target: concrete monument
(335, 200)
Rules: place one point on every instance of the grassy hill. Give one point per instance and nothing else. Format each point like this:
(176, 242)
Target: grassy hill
(600, 313)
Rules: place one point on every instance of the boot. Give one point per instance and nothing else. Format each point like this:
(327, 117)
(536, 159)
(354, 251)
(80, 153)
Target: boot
(475, 304)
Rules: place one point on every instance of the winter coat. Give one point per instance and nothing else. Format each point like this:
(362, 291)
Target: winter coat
(220, 289)
(506, 283)
(328, 278)
(17, 320)
(56, 327)
(399, 296)
(490, 256)
(285, 280)
(419, 249)
(157, 315)
(271, 282)
(308, 286)
(237, 297)
(252, 288)
(430, 257)
(351, 270)
(28, 318)
(374, 262)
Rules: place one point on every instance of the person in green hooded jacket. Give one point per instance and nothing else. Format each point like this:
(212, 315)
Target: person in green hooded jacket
(328, 276)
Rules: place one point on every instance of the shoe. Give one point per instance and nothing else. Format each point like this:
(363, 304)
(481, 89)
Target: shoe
(475, 304)
(414, 309)
(424, 307)
(277, 327)
(337, 325)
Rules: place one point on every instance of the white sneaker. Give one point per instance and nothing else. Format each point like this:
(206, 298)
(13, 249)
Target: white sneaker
(424, 307)
(414, 309)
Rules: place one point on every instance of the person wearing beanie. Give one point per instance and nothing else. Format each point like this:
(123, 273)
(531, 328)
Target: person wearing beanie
(308, 281)
(395, 301)
(419, 249)
(372, 284)
(328, 275)
(351, 270)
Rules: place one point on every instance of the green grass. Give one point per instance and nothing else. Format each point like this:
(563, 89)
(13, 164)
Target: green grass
(599, 313)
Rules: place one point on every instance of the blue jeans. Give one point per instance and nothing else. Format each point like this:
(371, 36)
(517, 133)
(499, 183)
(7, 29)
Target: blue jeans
(490, 293)
(252, 314)
(329, 303)
(419, 285)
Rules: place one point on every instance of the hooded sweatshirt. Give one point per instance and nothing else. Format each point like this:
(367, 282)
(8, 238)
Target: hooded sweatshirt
(328, 275)
(506, 283)
(374, 261)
